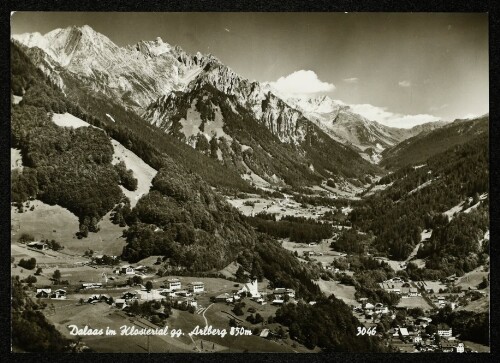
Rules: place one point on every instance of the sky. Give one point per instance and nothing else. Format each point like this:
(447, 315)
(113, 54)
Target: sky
(400, 69)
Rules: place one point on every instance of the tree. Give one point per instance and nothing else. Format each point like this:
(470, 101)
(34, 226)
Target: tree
(38, 271)
(149, 285)
(28, 264)
(26, 237)
(56, 276)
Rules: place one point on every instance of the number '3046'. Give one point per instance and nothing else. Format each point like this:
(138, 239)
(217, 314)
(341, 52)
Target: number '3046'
(366, 331)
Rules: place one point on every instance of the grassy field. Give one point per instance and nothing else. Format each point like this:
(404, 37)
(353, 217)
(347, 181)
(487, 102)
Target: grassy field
(414, 302)
(280, 207)
(343, 292)
(472, 279)
(54, 222)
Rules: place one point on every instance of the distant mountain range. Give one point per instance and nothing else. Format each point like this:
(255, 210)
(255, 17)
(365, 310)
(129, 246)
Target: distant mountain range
(196, 98)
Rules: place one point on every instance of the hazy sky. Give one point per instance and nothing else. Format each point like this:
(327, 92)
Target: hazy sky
(387, 64)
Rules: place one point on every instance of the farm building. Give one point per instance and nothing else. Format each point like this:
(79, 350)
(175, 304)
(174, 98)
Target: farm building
(38, 245)
(43, 293)
(58, 294)
(196, 287)
(444, 330)
(127, 270)
(173, 284)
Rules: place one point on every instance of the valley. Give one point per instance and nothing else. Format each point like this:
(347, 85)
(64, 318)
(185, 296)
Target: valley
(154, 188)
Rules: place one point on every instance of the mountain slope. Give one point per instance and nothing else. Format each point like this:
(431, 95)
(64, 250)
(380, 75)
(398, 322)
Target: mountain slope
(342, 124)
(181, 218)
(280, 154)
(428, 143)
(418, 199)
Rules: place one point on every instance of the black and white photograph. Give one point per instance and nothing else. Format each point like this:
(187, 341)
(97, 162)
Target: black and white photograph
(263, 182)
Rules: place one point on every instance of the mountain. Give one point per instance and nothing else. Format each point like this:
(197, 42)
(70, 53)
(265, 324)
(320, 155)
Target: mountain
(419, 148)
(135, 75)
(191, 97)
(181, 217)
(338, 120)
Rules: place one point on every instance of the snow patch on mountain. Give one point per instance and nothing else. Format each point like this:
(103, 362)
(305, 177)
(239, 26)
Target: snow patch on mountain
(142, 171)
(68, 120)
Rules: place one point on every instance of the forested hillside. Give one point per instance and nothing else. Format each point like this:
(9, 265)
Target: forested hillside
(417, 200)
(31, 331)
(419, 148)
(182, 218)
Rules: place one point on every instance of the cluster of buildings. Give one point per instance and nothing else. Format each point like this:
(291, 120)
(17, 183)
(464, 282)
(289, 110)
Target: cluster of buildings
(413, 338)
(396, 285)
(59, 294)
(370, 310)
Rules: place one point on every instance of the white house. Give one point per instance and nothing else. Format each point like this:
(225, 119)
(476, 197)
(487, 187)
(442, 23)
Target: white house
(196, 287)
(59, 294)
(460, 348)
(127, 270)
(444, 330)
(173, 284)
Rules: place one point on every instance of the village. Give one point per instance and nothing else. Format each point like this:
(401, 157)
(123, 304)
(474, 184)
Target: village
(124, 287)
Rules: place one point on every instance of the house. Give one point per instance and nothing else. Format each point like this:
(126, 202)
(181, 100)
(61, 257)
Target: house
(129, 296)
(196, 287)
(93, 299)
(447, 346)
(264, 333)
(444, 330)
(381, 309)
(173, 284)
(222, 297)
(43, 293)
(280, 292)
(38, 245)
(58, 294)
(368, 306)
(104, 298)
(127, 270)
(278, 302)
(413, 292)
(460, 348)
(417, 339)
(120, 303)
(183, 293)
(394, 290)
(309, 253)
(403, 333)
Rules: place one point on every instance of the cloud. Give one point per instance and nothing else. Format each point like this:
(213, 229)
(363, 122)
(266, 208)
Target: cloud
(387, 118)
(405, 83)
(351, 80)
(301, 83)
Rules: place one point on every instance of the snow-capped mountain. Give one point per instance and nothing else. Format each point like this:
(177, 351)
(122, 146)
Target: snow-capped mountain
(137, 75)
(337, 119)
(200, 100)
